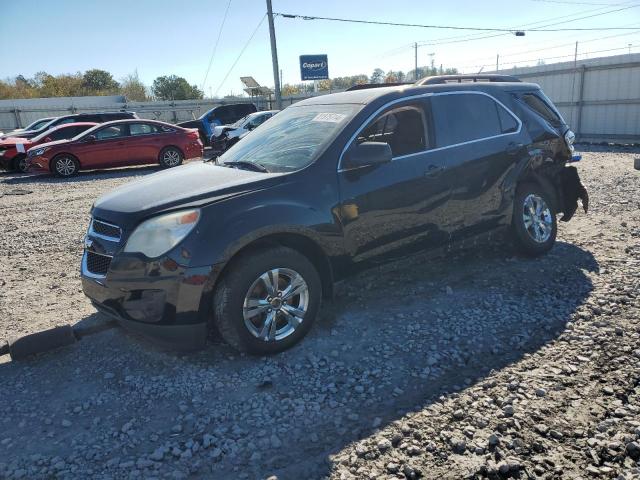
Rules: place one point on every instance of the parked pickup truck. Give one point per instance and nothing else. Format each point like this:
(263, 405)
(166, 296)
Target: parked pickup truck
(221, 115)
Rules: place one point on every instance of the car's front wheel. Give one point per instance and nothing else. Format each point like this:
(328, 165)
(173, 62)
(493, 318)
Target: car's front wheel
(534, 220)
(65, 165)
(170, 157)
(267, 301)
(20, 164)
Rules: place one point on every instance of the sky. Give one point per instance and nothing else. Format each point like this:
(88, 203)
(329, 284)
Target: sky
(163, 37)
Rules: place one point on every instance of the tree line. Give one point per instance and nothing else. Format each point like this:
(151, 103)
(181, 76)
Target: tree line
(378, 76)
(173, 87)
(98, 82)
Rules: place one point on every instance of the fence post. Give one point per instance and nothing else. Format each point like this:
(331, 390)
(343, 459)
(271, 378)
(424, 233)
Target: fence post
(583, 70)
(175, 114)
(16, 113)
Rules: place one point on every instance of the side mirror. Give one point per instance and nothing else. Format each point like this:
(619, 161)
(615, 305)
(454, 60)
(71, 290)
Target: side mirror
(251, 126)
(90, 139)
(47, 139)
(366, 154)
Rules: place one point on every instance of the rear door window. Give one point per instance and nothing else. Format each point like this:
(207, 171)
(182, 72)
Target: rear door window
(403, 128)
(112, 131)
(142, 129)
(466, 117)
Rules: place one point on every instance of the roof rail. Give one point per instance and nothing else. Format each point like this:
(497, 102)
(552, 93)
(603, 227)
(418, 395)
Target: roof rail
(363, 86)
(440, 79)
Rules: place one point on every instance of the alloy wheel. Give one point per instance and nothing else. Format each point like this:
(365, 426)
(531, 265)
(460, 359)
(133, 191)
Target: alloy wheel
(22, 165)
(275, 305)
(171, 158)
(538, 221)
(65, 166)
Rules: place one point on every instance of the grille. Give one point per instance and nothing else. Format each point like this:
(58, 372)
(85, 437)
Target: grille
(98, 264)
(106, 229)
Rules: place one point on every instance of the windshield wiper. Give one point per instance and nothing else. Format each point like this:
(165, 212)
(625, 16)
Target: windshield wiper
(256, 167)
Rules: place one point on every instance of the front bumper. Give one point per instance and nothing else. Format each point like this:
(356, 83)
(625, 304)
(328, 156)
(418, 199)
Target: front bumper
(159, 299)
(38, 164)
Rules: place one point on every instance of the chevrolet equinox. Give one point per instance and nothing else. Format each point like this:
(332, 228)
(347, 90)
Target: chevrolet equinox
(252, 242)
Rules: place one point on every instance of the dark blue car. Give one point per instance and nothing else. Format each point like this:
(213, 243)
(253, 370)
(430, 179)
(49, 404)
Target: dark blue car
(221, 115)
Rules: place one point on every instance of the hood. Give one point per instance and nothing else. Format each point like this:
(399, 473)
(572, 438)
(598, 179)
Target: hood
(53, 144)
(11, 141)
(195, 184)
(220, 129)
(21, 134)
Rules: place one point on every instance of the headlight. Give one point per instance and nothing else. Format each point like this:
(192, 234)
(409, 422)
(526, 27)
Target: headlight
(160, 234)
(2, 152)
(38, 151)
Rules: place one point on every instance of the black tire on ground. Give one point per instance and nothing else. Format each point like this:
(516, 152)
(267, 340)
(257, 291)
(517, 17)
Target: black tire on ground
(19, 164)
(534, 222)
(64, 165)
(170, 157)
(234, 287)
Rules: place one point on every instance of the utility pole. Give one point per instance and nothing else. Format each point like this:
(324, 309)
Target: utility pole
(415, 46)
(497, 62)
(274, 57)
(575, 57)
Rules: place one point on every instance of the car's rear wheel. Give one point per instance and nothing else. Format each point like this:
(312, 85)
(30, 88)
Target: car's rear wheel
(65, 165)
(534, 220)
(267, 301)
(170, 157)
(19, 164)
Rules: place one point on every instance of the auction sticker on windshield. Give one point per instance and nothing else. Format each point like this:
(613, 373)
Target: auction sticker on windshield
(329, 117)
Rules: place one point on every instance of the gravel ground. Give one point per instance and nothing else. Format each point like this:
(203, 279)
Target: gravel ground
(482, 364)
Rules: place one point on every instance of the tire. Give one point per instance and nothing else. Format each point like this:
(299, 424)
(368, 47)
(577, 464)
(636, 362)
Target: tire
(170, 157)
(534, 221)
(64, 165)
(241, 302)
(19, 164)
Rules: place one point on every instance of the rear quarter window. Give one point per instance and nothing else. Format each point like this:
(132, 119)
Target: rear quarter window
(542, 108)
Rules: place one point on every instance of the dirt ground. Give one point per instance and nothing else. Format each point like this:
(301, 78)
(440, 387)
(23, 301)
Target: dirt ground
(482, 364)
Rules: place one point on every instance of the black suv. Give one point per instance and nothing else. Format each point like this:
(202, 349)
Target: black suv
(252, 242)
(98, 117)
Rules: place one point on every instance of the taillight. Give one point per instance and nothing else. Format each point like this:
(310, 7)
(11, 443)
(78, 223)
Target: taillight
(569, 139)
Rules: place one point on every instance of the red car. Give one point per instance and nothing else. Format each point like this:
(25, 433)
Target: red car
(13, 150)
(117, 144)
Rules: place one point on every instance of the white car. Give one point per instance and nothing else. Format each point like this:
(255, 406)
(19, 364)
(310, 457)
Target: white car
(226, 135)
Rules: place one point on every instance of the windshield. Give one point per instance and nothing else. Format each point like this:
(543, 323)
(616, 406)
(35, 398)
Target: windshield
(292, 139)
(240, 122)
(42, 135)
(86, 132)
(38, 123)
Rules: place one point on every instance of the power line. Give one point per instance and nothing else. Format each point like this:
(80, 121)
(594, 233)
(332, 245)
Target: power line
(451, 27)
(553, 47)
(215, 46)
(241, 52)
(577, 3)
(544, 29)
(556, 57)
(564, 18)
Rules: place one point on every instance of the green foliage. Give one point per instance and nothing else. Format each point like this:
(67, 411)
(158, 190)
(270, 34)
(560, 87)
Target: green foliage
(100, 81)
(133, 89)
(173, 87)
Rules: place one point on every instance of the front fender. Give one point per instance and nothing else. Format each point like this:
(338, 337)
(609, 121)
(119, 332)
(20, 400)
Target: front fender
(217, 242)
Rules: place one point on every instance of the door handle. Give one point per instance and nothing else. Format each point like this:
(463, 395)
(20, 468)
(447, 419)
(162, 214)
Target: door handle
(433, 171)
(514, 148)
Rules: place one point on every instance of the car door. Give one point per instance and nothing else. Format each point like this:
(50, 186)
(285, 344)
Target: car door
(479, 139)
(144, 143)
(384, 209)
(107, 148)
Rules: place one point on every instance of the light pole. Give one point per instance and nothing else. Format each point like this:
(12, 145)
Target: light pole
(274, 56)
